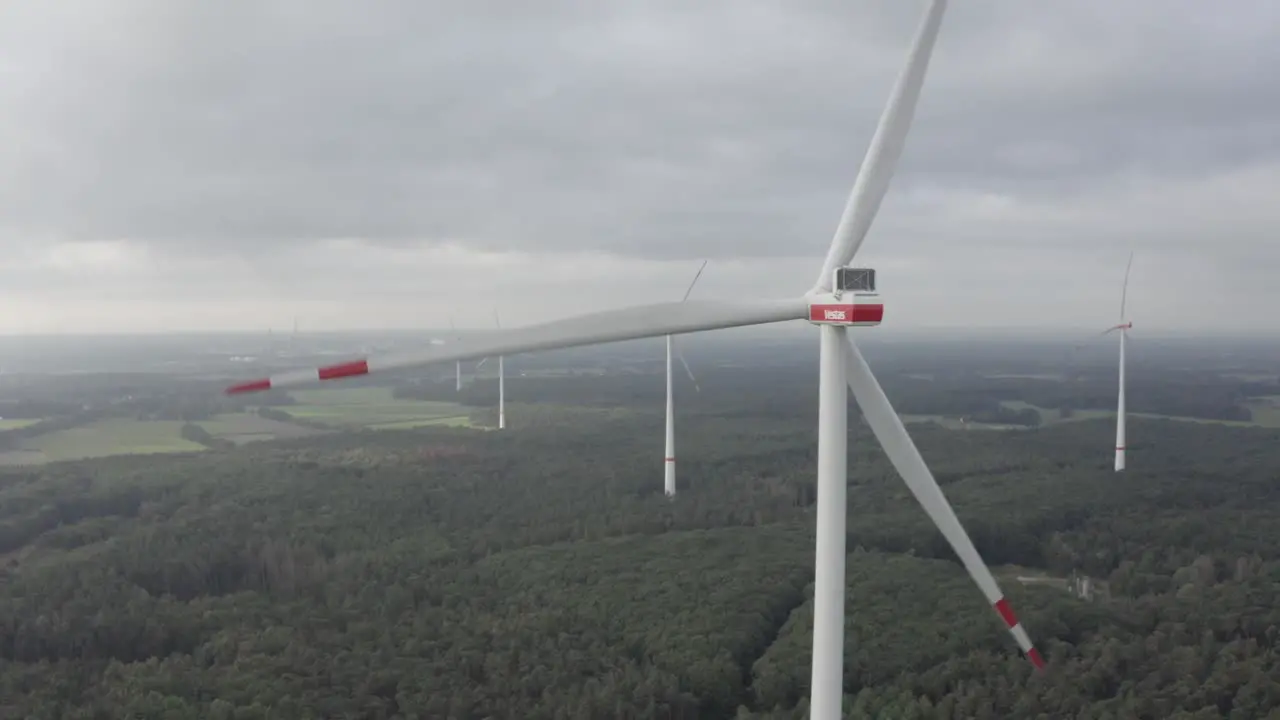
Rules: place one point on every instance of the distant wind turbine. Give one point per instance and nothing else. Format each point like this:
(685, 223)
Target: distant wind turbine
(1123, 328)
(457, 367)
(502, 379)
(669, 456)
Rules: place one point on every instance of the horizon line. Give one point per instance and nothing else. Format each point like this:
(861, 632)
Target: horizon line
(1036, 330)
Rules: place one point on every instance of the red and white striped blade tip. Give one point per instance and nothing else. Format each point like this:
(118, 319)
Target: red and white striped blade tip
(1020, 635)
(330, 372)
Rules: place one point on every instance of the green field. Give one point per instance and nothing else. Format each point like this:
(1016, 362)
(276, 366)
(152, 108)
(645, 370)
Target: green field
(1251, 377)
(952, 423)
(1266, 413)
(1054, 377)
(340, 408)
(15, 423)
(451, 421)
(1048, 416)
(242, 428)
(1266, 410)
(373, 407)
(115, 436)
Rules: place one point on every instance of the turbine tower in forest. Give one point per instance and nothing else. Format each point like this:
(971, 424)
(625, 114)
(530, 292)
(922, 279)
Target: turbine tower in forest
(669, 455)
(1123, 328)
(457, 366)
(502, 380)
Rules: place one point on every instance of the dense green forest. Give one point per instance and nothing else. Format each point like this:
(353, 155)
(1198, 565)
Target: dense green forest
(540, 573)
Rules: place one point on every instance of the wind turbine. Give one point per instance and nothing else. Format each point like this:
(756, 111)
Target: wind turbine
(842, 297)
(1123, 328)
(502, 380)
(669, 455)
(457, 385)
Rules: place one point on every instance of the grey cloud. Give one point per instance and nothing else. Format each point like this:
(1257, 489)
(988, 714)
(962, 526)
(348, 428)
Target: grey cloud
(664, 129)
(597, 148)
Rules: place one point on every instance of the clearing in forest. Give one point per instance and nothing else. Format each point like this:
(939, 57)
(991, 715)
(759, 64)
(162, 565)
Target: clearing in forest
(113, 436)
(373, 407)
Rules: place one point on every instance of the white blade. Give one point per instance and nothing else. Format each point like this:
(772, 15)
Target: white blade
(902, 452)
(1124, 292)
(885, 149)
(603, 327)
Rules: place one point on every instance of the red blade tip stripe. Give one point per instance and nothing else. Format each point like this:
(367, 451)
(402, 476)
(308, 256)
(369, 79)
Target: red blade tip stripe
(251, 386)
(348, 369)
(1006, 614)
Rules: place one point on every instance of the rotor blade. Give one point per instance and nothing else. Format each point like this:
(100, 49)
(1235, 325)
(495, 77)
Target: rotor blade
(680, 356)
(695, 281)
(1080, 344)
(1070, 355)
(481, 363)
(1124, 292)
(886, 147)
(496, 321)
(902, 452)
(453, 327)
(631, 323)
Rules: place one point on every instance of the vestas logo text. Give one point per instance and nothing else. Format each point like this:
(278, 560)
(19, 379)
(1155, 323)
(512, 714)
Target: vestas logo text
(846, 313)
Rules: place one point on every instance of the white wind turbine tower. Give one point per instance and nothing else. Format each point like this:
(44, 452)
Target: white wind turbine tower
(502, 380)
(457, 366)
(842, 297)
(669, 455)
(1123, 328)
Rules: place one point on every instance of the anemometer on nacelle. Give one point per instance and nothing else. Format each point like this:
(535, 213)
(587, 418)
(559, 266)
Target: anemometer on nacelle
(853, 300)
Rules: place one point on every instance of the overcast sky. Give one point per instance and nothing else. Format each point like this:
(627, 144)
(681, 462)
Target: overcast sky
(172, 164)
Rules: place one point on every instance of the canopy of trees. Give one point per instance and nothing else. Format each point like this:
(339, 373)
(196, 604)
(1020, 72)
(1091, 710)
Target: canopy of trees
(539, 573)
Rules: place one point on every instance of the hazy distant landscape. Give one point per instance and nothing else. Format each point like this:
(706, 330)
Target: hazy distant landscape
(92, 396)
(374, 548)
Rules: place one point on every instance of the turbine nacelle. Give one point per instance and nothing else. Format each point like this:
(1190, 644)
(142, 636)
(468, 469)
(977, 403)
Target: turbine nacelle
(853, 301)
